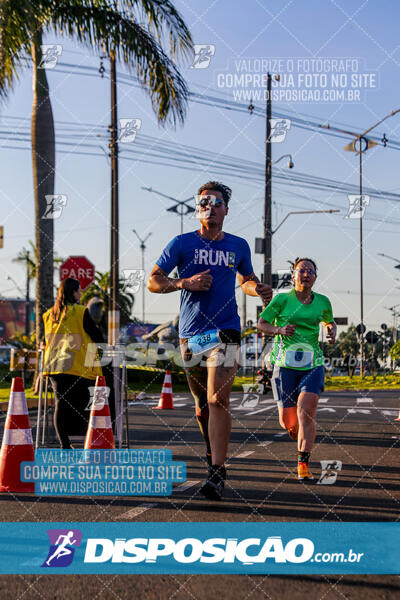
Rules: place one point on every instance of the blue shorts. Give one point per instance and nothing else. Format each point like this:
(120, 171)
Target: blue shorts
(287, 384)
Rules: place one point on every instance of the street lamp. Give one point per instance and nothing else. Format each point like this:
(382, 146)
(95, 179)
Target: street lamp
(391, 258)
(303, 212)
(143, 248)
(9, 278)
(290, 163)
(180, 207)
(395, 315)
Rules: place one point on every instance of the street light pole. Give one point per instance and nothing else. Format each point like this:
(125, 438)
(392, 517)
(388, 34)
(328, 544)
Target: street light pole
(361, 264)
(143, 248)
(180, 207)
(303, 212)
(361, 139)
(27, 300)
(113, 323)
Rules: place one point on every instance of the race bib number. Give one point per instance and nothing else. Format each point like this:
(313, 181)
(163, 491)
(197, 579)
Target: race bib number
(204, 341)
(299, 357)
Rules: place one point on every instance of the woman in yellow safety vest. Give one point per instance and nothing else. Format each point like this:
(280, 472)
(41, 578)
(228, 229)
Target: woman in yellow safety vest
(70, 360)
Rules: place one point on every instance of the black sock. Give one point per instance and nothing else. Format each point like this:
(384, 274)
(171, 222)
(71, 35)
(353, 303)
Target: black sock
(303, 457)
(219, 471)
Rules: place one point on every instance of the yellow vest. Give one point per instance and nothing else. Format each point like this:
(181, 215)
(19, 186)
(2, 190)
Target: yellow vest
(69, 349)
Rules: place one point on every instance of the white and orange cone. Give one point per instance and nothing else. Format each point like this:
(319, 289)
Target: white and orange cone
(166, 399)
(99, 435)
(17, 445)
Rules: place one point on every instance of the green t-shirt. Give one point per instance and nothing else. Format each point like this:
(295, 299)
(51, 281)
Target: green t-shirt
(301, 350)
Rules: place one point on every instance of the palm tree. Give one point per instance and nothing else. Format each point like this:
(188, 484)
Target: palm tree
(101, 289)
(27, 257)
(106, 26)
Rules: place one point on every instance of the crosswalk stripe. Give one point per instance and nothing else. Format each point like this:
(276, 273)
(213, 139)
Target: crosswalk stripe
(138, 510)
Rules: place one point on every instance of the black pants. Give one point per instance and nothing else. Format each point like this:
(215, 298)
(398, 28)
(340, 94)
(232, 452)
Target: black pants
(72, 409)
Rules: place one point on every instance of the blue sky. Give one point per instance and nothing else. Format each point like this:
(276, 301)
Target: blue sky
(301, 29)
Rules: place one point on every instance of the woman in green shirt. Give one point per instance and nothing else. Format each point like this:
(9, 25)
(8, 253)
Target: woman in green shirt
(298, 378)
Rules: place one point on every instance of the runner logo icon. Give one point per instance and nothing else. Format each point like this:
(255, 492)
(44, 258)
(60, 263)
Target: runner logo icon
(61, 551)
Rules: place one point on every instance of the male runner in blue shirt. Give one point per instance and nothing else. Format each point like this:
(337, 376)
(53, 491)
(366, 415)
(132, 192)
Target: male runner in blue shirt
(209, 324)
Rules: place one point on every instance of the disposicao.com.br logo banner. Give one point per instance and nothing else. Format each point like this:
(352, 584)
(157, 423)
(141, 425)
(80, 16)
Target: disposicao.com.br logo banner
(289, 548)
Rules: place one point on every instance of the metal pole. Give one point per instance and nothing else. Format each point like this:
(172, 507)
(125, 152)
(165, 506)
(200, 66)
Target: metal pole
(27, 299)
(244, 310)
(113, 317)
(40, 399)
(181, 213)
(361, 270)
(268, 191)
(45, 408)
(143, 247)
(114, 269)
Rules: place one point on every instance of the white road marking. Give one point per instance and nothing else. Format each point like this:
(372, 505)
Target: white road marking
(280, 434)
(187, 484)
(364, 400)
(326, 409)
(363, 411)
(244, 454)
(389, 413)
(323, 400)
(369, 408)
(264, 444)
(138, 510)
(254, 412)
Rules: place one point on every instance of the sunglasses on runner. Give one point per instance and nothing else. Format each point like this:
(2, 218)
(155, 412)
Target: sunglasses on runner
(306, 271)
(205, 201)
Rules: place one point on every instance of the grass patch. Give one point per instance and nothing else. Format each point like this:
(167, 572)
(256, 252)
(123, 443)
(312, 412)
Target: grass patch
(370, 382)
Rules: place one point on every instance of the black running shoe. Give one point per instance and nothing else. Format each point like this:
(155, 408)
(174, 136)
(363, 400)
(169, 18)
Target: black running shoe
(214, 486)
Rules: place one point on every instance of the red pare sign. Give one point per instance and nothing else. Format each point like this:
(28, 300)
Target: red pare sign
(80, 268)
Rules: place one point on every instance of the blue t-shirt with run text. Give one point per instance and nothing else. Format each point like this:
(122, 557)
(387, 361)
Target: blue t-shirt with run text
(216, 308)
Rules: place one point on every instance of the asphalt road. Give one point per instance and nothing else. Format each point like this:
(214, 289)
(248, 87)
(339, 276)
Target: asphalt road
(355, 429)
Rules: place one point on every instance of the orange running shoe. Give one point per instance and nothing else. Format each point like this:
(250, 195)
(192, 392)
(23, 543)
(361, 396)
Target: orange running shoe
(303, 472)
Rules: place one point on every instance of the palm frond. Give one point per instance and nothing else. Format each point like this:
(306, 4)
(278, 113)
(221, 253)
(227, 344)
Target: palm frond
(16, 21)
(162, 19)
(97, 25)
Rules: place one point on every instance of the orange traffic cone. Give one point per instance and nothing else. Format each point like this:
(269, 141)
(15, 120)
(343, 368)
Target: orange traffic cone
(166, 399)
(17, 443)
(99, 434)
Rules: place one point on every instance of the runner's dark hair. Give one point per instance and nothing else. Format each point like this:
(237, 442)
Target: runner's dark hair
(218, 187)
(65, 295)
(296, 261)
